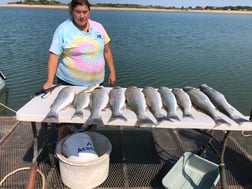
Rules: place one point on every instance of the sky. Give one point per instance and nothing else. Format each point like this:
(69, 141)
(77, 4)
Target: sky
(168, 3)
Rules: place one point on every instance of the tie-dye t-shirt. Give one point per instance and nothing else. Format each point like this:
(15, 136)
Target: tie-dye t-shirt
(82, 60)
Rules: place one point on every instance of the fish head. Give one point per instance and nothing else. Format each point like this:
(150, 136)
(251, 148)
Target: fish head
(204, 86)
(174, 90)
(188, 88)
(162, 89)
(117, 87)
(131, 89)
(149, 90)
(206, 89)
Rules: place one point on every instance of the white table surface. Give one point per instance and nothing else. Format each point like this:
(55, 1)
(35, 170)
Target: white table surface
(37, 108)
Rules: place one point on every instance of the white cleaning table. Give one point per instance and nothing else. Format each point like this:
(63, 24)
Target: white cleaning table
(37, 109)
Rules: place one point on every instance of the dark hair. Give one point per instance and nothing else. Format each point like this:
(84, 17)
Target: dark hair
(74, 3)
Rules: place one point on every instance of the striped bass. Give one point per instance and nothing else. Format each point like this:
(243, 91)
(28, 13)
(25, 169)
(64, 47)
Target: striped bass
(184, 102)
(169, 102)
(64, 98)
(154, 102)
(219, 100)
(201, 101)
(117, 102)
(136, 101)
(98, 101)
(80, 102)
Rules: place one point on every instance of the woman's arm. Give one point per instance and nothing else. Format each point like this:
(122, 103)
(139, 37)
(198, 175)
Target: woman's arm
(110, 62)
(51, 69)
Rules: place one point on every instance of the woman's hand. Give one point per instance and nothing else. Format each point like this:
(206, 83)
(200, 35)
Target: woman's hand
(47, 85)
(112, 78)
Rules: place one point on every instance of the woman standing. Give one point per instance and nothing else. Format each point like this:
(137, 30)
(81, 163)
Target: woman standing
(78, 51)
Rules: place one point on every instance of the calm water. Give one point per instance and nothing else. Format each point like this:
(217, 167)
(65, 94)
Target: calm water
(150, 48)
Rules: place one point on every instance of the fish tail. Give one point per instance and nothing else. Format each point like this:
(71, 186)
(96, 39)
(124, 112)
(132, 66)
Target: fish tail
(187, 115)
(161, 118)
(219, 121)
(52, 116)
(95, 121)
(172, 116)
(78, 114)
(144, 121)
(117, 116)
(239, 120)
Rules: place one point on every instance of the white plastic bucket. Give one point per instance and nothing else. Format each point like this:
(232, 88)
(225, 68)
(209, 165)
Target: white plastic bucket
(88, 174)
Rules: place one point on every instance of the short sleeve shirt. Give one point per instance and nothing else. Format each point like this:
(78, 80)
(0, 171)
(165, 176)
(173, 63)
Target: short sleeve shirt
(82, 60)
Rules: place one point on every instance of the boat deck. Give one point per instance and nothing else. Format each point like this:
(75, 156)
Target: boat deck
(140, 157)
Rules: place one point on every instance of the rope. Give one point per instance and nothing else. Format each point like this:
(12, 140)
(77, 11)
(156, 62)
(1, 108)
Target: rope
(245, 135)
(21, 169)
(7, 107)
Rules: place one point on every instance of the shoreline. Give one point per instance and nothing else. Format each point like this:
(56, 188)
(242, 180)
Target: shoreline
(141, 9)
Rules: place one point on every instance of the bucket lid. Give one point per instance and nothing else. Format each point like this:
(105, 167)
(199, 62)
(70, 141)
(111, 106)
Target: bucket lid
(79, 147)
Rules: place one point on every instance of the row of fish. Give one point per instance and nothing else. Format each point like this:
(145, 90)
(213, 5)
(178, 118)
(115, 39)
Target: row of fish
(138, 100)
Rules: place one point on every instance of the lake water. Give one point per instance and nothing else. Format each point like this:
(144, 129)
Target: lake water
(172, 49)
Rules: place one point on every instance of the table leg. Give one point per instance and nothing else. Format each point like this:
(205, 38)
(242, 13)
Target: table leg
(35, 141)
(48, 145)
(223, 180)
(208, 144)
(33, 171)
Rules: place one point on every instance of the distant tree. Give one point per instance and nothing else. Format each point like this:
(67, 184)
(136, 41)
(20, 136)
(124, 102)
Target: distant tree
(118, 5)
(43, 2)
(198, 8)
(28, 1)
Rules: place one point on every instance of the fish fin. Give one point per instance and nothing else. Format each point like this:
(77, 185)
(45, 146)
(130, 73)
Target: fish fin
(95, 121)
(104, 109)
(144, 121)
(187, 115)
(78, 114)
(117, 116)
(178, 108)
(124, 107)
(91, 88)
(239, 120)
(172, 116)
(219, 121)
(160, 118)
